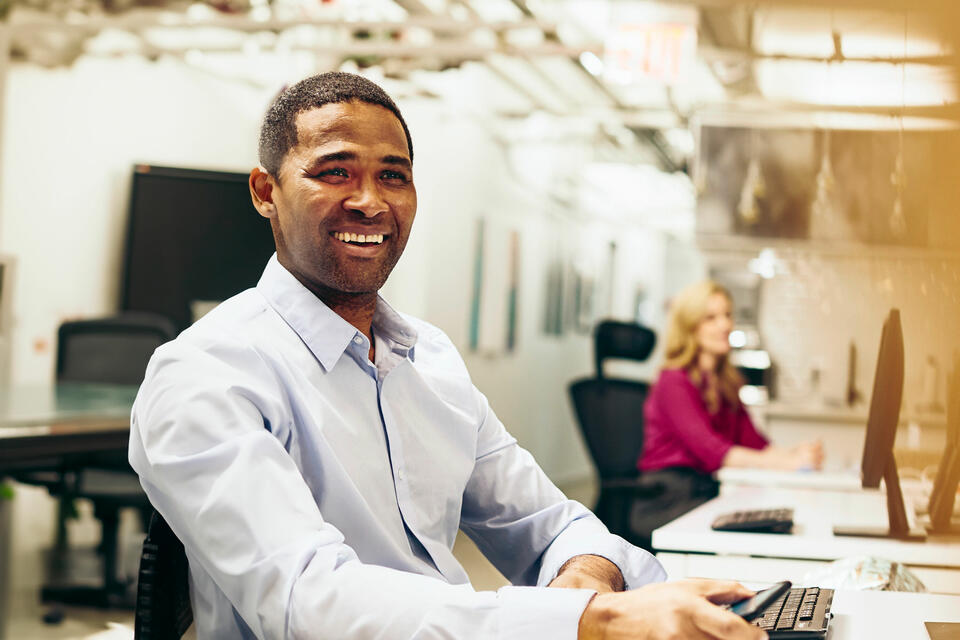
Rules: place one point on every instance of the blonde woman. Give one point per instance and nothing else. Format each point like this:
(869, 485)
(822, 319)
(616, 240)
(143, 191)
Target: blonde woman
(693, 420)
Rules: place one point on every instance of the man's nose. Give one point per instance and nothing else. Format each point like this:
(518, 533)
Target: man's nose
(366, 199)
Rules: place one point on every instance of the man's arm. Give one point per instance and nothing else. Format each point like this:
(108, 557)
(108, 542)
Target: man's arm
(528, 529)
(206, 438)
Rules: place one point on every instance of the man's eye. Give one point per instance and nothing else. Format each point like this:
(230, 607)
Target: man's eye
(394, 176)
(336, 172)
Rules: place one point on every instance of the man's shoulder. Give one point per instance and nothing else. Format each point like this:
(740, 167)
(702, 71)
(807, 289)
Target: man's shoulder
(230, 322)
(231, 330)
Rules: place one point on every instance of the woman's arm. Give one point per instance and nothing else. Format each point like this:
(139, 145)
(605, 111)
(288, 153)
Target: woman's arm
(805, 456)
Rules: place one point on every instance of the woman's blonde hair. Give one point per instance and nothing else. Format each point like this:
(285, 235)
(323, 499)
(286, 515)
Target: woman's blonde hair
(682, 349)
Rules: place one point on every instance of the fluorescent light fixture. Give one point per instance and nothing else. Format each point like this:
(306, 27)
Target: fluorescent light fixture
(856, 83)
(591, 63)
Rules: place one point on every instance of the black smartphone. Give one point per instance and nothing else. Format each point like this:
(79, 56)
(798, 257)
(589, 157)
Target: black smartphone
(752, 607)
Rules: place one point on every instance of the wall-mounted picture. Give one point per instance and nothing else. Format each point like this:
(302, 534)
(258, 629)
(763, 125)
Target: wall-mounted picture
(496, 285)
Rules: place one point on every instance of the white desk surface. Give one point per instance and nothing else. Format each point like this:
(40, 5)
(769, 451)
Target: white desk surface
(830, 480)
(815, 514)
(879, 615)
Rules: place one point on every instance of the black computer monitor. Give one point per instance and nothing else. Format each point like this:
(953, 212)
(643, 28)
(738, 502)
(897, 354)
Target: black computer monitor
(194, 239)
(882, 421)
(944, 491)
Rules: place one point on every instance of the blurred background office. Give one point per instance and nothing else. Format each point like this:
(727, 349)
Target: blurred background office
(576, 160)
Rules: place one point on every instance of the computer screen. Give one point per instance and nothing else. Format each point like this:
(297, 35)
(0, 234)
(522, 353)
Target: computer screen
(884, 403)
(878, 461)
(193, 239)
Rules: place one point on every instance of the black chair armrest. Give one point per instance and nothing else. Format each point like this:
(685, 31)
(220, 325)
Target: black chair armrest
(163, 591)
(637, 486)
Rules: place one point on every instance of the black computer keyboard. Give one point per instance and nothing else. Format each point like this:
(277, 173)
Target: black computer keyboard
(756, 521)
(799, 613)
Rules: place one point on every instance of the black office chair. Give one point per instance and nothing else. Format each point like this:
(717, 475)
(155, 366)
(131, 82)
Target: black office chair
(163, 589)
(610, 415)
(112, 350)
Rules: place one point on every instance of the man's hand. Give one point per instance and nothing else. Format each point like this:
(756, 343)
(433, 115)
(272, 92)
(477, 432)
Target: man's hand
(668, 611)
(589, 572)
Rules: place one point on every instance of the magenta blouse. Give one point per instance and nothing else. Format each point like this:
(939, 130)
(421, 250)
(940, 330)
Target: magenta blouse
(679, 432)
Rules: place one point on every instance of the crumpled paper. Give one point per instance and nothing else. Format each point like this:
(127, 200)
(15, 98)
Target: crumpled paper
(865, 573)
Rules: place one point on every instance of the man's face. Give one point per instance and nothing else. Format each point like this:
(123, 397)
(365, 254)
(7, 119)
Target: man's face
(345, 201)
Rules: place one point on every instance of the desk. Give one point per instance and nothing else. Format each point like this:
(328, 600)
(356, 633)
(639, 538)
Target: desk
(43, 425)
(688, 547)
(40, 423)
(877, 615)
(829, 480)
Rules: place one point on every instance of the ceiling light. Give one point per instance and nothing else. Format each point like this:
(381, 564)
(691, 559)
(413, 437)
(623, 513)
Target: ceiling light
(591, 63)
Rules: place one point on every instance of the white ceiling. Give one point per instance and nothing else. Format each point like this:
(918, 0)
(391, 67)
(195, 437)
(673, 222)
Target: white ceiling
(805, 62)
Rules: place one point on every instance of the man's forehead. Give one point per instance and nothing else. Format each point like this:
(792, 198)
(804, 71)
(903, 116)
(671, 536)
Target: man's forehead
(352, 121)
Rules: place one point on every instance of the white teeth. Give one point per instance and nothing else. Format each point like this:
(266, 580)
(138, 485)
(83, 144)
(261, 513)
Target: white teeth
(353, 237)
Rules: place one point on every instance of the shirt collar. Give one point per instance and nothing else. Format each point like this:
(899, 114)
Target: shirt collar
(325, 333)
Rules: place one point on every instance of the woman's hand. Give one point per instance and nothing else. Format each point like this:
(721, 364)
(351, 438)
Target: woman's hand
(807, 456)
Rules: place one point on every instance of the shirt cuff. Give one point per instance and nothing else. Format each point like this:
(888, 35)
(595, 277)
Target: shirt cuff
(588, 536)
(536, 612)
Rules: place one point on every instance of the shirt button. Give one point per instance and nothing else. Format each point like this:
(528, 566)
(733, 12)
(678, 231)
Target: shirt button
(399, 474)
(358, 339)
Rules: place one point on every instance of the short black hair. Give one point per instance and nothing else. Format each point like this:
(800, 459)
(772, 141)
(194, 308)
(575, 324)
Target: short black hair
(279, 131)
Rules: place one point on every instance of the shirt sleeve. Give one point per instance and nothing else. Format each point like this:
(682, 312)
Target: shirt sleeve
(747, 434)
(526, 527)
(202, 442)
(683, 410)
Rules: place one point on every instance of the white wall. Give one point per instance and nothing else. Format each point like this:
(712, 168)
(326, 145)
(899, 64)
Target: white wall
(72, 134)
(70, 138)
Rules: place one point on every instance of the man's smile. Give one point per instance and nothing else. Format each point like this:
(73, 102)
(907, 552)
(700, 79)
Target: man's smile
(359, 238)
(361, 245)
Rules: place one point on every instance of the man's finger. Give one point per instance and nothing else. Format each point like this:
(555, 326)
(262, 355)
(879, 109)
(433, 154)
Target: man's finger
(736, 593)
(721, 623)
(719, 590)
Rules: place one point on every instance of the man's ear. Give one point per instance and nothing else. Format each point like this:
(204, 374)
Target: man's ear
(261, 192)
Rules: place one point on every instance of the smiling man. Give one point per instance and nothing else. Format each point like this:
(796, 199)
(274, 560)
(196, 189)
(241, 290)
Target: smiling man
(317, 451)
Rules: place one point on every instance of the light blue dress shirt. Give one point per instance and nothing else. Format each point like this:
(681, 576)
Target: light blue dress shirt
(318, 494)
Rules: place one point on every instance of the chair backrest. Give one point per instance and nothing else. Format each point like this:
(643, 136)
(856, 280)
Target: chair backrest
(610, 411)
(112, 350)
(610, 415)
(622, 340)
(163, 589)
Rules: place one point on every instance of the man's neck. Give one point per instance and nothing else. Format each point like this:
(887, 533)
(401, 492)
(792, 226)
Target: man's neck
(355, 308)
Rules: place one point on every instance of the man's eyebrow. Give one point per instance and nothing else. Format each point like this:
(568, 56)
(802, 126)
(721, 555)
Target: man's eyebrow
(335, 156)
(340, 156)
(397, 160)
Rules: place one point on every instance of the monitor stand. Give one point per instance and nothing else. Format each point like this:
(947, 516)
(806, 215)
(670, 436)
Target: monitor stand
(950, 529)
(899, 527)
(942, 519)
